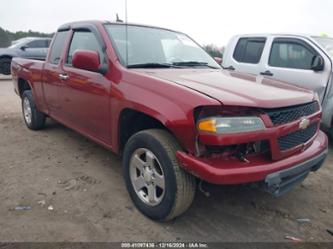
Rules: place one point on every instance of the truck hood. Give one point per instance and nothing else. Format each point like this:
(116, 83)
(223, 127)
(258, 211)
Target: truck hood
(235, 89)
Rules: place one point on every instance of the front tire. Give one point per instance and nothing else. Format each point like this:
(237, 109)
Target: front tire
(5, 65)
(33, 119)
(157, 185)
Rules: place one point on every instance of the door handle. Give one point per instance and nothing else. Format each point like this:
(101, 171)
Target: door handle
(63, 76)
(229, 68)
(267, 73)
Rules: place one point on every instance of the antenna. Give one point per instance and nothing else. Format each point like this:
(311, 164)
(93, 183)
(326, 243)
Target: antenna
(118, 19)
(126, 30)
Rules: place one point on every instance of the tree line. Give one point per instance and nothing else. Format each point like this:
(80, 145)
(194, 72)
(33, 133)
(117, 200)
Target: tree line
(6, 37)
(214, 50)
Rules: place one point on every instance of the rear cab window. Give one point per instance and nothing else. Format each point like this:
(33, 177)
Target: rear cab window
(249, 50)
(58, 47)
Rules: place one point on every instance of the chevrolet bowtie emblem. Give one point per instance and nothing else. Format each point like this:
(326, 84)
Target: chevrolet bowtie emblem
(305, 122)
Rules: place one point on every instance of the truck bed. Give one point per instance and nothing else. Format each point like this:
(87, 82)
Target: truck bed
(29, 69)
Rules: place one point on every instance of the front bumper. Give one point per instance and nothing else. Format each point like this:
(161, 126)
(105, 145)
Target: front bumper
(282, 181)
(233, 171)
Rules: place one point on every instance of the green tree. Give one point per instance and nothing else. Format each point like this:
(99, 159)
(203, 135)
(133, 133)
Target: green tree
(6, 37)
(214, 50)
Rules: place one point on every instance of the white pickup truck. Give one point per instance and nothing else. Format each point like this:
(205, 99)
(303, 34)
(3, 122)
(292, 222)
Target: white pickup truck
(302, 60)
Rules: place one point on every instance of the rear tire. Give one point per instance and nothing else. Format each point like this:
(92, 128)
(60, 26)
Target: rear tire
(157, 185)
(5, 65)
(330, 133)
(33, 119)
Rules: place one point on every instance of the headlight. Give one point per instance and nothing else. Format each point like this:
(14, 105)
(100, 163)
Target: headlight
(228, 125)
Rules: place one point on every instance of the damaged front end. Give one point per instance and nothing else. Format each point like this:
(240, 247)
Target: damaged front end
(236, 145)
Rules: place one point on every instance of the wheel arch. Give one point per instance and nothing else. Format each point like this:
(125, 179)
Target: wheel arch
(132, 121)
(23, 85)
(6, 56)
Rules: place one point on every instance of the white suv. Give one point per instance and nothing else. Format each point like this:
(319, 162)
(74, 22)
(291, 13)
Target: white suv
(302, 60)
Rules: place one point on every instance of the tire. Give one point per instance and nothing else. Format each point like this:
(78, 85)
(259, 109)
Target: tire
(33, 119)
(179, 186)
(5, 65)
(330, 133)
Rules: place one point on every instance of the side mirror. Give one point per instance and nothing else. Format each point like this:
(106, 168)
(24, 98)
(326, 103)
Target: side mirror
(23, 48)
(317, 63)
(218, 60)
(87, 60)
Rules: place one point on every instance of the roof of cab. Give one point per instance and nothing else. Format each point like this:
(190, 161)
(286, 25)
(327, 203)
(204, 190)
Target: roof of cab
(278, 34)
(72, 25)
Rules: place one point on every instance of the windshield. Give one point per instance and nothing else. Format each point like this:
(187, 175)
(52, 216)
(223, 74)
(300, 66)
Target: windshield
(154, 47)
(326, 42)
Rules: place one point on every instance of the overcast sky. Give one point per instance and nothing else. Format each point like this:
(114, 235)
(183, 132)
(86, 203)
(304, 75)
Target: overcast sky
(208, 21)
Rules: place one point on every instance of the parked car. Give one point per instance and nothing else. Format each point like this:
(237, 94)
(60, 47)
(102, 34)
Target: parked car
(302, 60)
(158, 99)
(29, 47)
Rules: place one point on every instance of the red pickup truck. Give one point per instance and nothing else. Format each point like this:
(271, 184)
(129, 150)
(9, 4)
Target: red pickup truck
(155, 97)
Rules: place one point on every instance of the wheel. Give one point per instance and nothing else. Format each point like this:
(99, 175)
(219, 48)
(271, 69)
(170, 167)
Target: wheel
(330, 133)
(157, 184)
(34, 119)
(5, 65)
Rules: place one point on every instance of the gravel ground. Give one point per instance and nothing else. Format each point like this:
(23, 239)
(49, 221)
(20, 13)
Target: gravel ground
(82, 184)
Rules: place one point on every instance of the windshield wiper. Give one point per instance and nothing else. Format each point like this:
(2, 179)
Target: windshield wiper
(193, 64)
(152, 65)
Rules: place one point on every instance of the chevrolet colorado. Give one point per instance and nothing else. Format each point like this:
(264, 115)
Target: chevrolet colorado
(155, 97)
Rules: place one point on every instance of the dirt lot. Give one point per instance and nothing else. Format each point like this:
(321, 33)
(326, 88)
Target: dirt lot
(82, 182)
